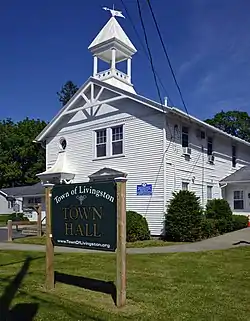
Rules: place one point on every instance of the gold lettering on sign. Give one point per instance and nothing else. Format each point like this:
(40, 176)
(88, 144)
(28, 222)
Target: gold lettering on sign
(95, 231)
(65, 213)
(96, 212)
(68, 228)
(87, 230)
(83, 213)
(79, 230)
(73, 213)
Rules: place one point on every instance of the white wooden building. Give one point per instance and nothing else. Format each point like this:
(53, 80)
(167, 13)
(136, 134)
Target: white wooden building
(107, 126)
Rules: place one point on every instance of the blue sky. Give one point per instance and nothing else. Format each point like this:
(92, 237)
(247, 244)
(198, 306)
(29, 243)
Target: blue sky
(44, 44)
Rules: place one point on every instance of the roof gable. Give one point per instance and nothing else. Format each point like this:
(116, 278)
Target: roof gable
(241, 175)
(92, 99)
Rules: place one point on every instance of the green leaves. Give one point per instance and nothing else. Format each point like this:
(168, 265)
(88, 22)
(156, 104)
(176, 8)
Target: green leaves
(20, 158)
(236, 123)
(67, 92)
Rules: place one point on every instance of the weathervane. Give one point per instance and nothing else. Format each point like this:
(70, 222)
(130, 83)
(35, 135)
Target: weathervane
(114, 12)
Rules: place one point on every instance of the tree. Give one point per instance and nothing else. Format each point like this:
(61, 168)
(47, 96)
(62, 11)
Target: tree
(183, 218)
(67, 92)
(20, 158)
(236, 123)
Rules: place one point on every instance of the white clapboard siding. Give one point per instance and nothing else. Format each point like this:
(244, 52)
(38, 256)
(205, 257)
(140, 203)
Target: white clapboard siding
(142, 160)
(196, 170)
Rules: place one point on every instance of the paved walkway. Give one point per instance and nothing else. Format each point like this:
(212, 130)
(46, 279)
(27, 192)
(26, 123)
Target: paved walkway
(226, 241)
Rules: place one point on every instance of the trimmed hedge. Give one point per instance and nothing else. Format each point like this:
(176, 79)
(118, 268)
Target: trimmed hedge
(239, 222)
(14, 217)
(209, 228)
(183, 219)
(17, 217)
(137, 227)
(218, 209)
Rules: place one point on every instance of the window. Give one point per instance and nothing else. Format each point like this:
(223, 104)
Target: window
(210, 146)
(238, 200)
(184, 137)
(63, 143)
(101, 141)
(11, 204)
(185, 186)
(234, 156)
(209, 192)
(34, 200)
(117, 140)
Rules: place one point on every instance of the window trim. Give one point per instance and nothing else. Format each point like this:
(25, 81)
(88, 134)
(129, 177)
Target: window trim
(108, 141)
(185, 133)
(239, 199)
(234, 156)
(111, 140)
(210, 142)
(210, 186)
(95, 141)
(185, 182)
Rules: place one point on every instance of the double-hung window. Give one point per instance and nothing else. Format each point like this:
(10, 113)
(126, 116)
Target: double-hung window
(184, 136)
(234, 156)
(184, 186)
(101, 143)
(117, 140)
(209, 192)
(238, 200)
(109, 141)
(210, 146)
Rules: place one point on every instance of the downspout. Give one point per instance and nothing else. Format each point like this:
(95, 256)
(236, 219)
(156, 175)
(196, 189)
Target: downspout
(164, 169)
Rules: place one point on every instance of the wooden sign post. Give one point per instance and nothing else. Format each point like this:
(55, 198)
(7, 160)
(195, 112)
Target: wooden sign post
(50, 281)
(88, 216)
(39, 219)
(121, 243)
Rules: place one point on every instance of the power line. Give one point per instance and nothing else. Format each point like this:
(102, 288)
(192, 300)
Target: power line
(145, 51)
(149, 51)
(166, 54)
(151, 61)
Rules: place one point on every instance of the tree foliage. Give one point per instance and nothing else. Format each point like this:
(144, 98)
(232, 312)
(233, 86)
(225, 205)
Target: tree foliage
(236, 123)
(67, 92)
(183, 218)
(20, 158)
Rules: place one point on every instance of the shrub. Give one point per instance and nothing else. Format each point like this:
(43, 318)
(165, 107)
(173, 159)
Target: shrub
(137, 227)
(218, 209)
(239, 222)
(17, 217)
(209, 228)
(183, 218)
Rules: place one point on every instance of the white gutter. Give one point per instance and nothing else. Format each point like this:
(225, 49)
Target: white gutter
(222, 186)
(212, 128)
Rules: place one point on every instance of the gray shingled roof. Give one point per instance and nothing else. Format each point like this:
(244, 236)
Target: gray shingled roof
(241, 175)
(36, 189)
(106, 174)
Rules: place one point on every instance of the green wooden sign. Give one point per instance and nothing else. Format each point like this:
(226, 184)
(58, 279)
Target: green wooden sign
(84, 215)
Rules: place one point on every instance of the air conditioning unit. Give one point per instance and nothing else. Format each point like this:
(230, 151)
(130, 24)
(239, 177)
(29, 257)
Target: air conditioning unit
(211, 159)
(187, 151)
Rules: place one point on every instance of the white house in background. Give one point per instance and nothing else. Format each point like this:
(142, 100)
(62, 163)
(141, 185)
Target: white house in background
(236, 190)
(108, 129)
(19, 199)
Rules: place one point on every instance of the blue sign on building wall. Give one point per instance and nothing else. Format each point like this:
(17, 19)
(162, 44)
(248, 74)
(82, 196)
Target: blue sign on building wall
(144, 189)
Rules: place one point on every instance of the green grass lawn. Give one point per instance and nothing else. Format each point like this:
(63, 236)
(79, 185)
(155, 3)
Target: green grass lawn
(177, 287)
(148, 243)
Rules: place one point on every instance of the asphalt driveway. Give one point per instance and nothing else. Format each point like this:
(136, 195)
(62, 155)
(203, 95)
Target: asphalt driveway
(226, 241)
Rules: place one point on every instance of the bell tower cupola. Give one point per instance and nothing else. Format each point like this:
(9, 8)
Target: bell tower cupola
(113, 46)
